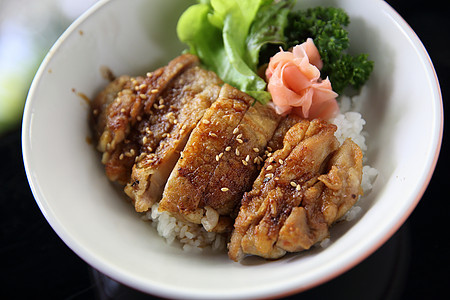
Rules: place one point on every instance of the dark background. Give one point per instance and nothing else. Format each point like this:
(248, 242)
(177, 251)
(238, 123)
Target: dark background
(413, 264)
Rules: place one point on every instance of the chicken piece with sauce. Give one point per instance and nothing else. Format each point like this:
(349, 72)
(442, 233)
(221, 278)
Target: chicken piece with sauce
(143, 123)
(166, 131)
(121, 107)
(220, 161)
(301, 191)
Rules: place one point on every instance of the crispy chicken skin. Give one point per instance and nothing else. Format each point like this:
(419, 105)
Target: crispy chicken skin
(302, 189)
(219, 161)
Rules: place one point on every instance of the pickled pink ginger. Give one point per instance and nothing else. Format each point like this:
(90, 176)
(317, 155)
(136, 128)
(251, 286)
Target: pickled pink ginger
(295, 85)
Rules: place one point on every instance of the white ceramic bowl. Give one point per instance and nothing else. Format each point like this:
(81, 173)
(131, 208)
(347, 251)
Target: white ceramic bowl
(402, 107)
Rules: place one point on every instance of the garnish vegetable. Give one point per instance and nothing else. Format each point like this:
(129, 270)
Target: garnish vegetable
(227, 35)
(236, 37)
(325, 25)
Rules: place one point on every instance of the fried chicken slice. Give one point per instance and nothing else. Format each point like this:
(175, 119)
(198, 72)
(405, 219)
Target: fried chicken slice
(189, 179)
(165, 132)
(121, 106)
(326, 202)
(293, 200)
(238, 164)
(219, 162)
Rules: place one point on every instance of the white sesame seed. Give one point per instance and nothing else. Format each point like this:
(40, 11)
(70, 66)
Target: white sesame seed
(269, 175)
(244, 163)
(269, 167)
(298, 187)
(236, 130)
(256, 150)
(224, 189)
(121, 156)
(281, 161)
(220, 154)
(143, 96)
(228, 148)
(123, 110)
(154, 91)
(293, 184)
(212, 134)
(217, 157)
(205, 121)
(247, 158)
(239, 141)
(237, 152)
(239, 136)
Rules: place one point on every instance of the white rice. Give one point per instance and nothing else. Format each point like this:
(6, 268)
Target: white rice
(195, 238)
(350, 125)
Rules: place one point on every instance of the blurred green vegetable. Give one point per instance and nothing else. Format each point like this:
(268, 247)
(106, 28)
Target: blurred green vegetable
(27, 30)
(12, 98)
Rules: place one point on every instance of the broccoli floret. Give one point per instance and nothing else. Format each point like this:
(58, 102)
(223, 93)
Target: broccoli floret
(326, 26)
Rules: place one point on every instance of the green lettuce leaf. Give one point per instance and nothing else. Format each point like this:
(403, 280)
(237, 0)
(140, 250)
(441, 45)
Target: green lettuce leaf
(268, 28)
(227, 36)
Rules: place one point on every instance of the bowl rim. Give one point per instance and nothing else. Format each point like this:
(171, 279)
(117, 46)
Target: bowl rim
(91, 258)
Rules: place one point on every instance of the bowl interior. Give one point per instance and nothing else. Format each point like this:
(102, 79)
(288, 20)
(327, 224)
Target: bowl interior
(401, 104)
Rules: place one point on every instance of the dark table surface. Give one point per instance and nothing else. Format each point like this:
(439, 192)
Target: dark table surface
(413, 264)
